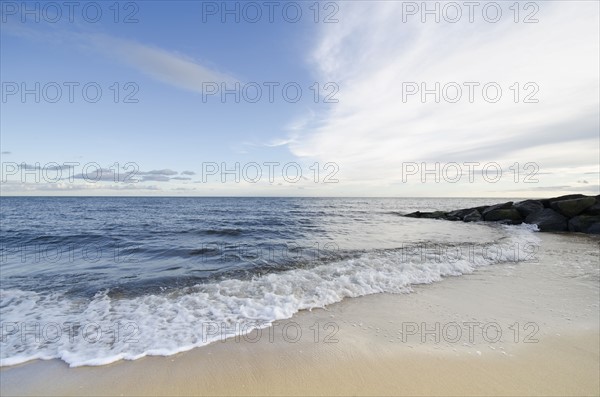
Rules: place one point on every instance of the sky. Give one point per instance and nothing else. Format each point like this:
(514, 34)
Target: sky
(304, 98)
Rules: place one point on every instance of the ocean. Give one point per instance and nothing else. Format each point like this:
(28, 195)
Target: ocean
(94, 280)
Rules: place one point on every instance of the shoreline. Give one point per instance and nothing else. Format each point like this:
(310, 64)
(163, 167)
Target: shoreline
(371, 356)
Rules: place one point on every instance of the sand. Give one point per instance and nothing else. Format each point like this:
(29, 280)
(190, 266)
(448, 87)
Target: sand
(379, 346)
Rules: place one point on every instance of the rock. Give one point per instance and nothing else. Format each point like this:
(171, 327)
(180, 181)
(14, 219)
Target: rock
(434, 215)
(473, 216)
(573, 207)
(503, 206)
(585, 224)
(548, 220)
(427, 215)
(594, 209)
(509, 215)
(548, 202)
(460, 213)
(574, 212)
(594, 229)
(528, 207)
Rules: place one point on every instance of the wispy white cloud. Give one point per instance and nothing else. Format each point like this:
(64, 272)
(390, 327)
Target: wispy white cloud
(370, 53)
(279, 142)
(170, 67)
(166, 66)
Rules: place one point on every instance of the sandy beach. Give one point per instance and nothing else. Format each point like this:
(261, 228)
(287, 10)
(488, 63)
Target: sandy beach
(514, 329)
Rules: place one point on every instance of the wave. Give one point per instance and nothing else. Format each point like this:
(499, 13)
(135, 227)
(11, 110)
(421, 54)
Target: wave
(109, 327)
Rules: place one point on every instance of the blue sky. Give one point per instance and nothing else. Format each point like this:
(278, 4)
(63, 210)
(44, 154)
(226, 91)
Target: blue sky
(369, 53)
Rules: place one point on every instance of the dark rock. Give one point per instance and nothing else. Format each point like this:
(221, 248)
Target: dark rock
(548, 202)
(594, 229)
(585, 224)
(428, 215)
(508, 215)
(473, 216)
(434, 215)
(573, 207)
(548, 220)
(528, 207)
(574, 212)
(460, 213)
(594, 209)
(503, 206)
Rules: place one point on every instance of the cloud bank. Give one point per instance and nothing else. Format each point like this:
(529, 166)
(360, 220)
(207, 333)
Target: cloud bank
(372, 54)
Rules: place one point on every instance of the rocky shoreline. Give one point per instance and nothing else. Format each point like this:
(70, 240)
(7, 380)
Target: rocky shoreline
(573, 213)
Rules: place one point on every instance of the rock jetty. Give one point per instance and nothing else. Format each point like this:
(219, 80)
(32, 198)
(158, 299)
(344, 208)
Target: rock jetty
(574, 213)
